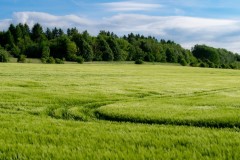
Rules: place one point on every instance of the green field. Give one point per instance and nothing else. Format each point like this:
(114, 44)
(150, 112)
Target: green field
(118, 111)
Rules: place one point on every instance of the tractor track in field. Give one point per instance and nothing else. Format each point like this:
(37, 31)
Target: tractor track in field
(184, 122)
(183, 95)
(89, 111)
(84, 112)
(175, 122)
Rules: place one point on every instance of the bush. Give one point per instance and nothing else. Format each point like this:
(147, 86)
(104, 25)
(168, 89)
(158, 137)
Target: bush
(211, 65)
(79, 60)
(44, 60)
(22, 59)
(183, 62)
(15, 51)
(4, 55)
(204, 65)
(225, 66)
(51, 60)
(59, 61)
(194, 64)
(234, 65)
(139, 61)
(72, 57)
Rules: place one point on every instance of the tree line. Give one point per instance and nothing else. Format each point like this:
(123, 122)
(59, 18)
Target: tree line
(56, 46)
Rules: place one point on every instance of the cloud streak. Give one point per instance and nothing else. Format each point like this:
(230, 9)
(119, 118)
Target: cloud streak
(49, 20)
(4, 24)
(187, 31)
(129, 6)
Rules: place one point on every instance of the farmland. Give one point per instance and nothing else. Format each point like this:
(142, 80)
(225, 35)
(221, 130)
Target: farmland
(118, 111)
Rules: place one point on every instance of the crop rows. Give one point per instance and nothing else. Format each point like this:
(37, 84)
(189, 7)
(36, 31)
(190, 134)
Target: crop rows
(118, 111)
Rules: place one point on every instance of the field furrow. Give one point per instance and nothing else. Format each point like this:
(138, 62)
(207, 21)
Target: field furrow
(83, 112)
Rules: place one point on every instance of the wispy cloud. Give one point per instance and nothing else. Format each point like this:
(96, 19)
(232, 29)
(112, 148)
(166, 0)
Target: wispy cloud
(202, 3)
(4, 24)
(48, 20)
(187, 31)
(130, 6)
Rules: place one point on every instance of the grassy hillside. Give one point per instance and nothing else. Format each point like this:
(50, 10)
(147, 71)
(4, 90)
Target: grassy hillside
(86, 111)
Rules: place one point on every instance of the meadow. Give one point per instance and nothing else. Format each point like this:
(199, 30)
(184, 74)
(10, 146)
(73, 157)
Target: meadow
(118, 111)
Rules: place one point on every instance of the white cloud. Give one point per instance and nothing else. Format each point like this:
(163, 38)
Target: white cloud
(130, 6)
(4, 24)
(234, 4)
(49, 20)
(187, 31)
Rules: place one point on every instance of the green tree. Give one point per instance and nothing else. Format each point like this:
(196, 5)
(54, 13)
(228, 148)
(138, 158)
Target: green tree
(116, 50)
(49, 34)
(25, 30)
(124, 45)
(18, 34)
(45, 52)
(37, 33)
(57, 32)
(2, 38)
(135, 53)
(15, 51)
(205, 53)
(63, 47)
(71, 50)
(71, 32)
(87, 37)
(12, 30)
(24, 44)
(4, 55)
(86, 51)
(9, 40)
(103, 51)
(34, 50)
(84, 48)
(171, 56)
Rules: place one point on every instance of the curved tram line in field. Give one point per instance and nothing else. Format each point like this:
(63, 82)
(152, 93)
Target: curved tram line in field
(91, 111)
(208, 122)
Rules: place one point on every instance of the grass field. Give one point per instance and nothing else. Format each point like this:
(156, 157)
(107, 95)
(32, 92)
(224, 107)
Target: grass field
(118, 111)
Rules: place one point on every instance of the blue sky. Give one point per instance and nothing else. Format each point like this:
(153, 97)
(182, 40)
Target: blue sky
(188, 22)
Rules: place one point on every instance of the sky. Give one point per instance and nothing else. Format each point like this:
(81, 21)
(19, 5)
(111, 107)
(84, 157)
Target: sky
(187, 22)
